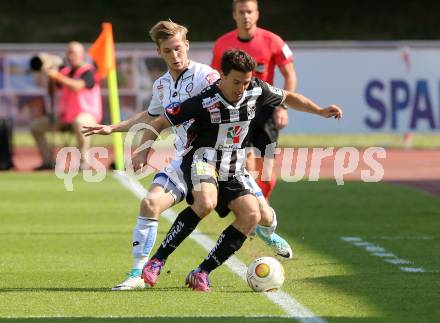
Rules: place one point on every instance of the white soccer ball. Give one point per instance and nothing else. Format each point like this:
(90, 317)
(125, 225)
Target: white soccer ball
(265, 274)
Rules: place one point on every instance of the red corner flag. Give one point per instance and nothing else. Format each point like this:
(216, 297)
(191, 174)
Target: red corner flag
(103, 50)
(103, 53)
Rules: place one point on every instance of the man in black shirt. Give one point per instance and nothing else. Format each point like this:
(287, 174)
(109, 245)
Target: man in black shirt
(214, 164)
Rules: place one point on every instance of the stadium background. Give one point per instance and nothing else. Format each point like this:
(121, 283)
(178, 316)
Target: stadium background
(360, 43)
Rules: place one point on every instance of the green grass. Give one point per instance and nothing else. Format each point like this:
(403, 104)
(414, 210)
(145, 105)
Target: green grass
(431, 141)
(62, 251)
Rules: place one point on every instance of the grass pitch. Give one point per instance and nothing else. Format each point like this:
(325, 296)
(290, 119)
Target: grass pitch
(61, 252)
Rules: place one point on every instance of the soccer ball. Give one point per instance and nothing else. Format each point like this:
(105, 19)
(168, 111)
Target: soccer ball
(265, 274)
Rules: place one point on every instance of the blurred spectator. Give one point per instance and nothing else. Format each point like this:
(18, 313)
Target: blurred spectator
(80, 104)
(5, 138)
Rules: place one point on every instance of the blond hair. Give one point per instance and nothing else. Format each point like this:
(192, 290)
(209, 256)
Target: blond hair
(234, 3)
(166, 29)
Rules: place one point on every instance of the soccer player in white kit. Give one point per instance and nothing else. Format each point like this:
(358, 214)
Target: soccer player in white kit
(183, 80)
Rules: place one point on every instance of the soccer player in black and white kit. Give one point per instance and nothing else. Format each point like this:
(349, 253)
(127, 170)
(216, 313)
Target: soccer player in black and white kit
(213, 168)
(184, 79)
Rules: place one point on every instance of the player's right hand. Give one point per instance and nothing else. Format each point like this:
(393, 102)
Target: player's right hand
(139, 161)
(99, 129)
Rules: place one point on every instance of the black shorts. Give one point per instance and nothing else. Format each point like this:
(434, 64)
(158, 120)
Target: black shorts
(226, 190)
(261, 135)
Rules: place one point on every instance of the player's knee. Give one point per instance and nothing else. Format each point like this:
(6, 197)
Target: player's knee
(150, 208)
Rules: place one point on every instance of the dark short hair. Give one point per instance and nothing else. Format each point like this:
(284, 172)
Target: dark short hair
(234, 3)
(237, 60)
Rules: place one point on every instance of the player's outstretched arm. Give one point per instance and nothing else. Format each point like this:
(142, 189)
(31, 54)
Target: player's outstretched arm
(301, 103)
(123, 126)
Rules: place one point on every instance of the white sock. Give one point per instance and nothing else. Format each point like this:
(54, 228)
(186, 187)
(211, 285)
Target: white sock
(268, 231)
(144, 237)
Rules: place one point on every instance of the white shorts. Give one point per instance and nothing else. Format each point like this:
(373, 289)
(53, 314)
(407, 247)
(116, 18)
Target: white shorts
(171, 179)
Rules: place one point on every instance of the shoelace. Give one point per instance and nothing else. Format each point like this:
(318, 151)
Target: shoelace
(134, 273)
(156, 265)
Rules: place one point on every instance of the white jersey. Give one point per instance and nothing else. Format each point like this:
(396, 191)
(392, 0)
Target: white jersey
(168, 92)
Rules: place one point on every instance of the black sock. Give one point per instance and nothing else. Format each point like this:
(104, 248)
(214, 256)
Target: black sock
(182, 227)
(227, 244)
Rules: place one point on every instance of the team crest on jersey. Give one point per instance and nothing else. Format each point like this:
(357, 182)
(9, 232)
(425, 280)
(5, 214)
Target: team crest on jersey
(173, 108)
(189, 87)
(251, 112)
(215, 107)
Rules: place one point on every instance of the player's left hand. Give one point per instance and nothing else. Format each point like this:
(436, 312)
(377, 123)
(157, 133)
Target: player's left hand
(281, 117)
(331, 111)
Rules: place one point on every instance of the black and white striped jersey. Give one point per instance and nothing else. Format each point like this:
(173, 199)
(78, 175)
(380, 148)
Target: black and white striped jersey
(219, 129)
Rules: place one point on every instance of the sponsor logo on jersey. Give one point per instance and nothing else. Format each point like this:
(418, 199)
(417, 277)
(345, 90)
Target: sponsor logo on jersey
(173, 108)
(160, 91)
(203, 168)
(211, 77)
(275, 90)
(208, 102)
(233, 134)
(256, 91)
(235, 115)
(216, 117)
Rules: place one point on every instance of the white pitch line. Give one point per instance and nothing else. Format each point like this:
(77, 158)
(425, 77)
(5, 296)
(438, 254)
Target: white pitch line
(381, 252)
(290, 306)
(403, 238)
(17, 318)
